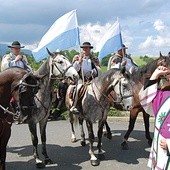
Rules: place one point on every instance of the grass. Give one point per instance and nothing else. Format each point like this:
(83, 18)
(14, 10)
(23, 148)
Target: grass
(104, 68)
(139, 61)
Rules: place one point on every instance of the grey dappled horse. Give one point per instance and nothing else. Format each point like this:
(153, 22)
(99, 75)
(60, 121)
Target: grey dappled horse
(95, 104)
(56, 66)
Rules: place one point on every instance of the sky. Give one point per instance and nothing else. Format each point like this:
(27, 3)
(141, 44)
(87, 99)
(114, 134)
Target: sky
(145, 24)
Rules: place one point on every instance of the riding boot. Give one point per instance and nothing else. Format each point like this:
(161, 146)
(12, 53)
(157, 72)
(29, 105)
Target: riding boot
(74, 109)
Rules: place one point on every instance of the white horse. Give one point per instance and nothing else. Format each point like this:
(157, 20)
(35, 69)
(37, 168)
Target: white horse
(56, 66)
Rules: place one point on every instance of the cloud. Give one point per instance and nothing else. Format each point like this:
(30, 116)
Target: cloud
(162, 38)
(31, 21)
(159, 25)
(93, 32)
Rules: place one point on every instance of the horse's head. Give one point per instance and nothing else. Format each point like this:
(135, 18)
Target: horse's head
(60, 66)
(163, 61)
(122, 93)
(24, 93)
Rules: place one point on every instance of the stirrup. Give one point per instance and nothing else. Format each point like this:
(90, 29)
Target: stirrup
(74, 110)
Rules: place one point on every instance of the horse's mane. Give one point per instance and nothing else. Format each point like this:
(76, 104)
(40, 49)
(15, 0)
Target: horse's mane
(43, 68)
(145, 71)
(106, 75)
(12, 70)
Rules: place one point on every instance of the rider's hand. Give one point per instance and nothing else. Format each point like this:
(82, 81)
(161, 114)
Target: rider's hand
(161, 70)
(93, 73)
(163, 144)
(81, 57)
(18, 58)
(123, 63)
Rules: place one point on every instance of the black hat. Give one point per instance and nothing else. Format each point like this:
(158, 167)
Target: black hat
(15, 44)
(86, 44)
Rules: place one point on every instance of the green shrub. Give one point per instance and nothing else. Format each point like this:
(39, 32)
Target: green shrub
(115, 112)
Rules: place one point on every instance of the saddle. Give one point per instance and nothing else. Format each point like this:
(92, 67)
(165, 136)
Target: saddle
(81, 91)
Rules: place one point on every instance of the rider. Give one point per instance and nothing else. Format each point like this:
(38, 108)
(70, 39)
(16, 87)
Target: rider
(122, 59)
(15, 58)
(86, 68)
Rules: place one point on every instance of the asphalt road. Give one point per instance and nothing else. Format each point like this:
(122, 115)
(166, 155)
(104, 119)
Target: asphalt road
(72, 156)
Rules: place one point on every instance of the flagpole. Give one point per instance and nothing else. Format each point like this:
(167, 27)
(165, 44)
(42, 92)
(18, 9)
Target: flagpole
(82, 72)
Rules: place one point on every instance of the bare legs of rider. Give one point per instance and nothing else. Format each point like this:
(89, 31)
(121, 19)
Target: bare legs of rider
(73, 109)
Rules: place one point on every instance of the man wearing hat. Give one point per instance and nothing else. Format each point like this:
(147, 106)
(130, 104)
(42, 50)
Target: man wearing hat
(122, 59)
(86, 67)
(14, 58)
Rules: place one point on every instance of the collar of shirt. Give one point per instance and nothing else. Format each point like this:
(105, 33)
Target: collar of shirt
(118, 55)
(86, 57)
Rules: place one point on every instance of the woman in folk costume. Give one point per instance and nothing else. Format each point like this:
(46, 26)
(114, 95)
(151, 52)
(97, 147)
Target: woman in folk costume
(157, 102)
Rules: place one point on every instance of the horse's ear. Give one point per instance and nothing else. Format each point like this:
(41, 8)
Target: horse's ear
(160, 54)
(50, 53)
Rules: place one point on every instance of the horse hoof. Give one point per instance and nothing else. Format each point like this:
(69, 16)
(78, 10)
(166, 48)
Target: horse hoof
(48, 161)
(40, 165)
(73, 140)
(101, 156)
(95, 162)
(109, 135)
(150, 142)
(83, 143)
(124, 146)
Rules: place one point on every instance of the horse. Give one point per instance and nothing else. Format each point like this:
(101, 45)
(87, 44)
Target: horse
(138, 78)
(56, 66)
(94, 104)
(22, 86)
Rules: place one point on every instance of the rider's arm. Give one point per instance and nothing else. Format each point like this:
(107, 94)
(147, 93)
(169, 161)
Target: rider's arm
(109, 63)
(5, 61)
(149, 82)
(94, 70)
(77, 66)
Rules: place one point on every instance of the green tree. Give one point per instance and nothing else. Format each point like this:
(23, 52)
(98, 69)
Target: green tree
(105, 60)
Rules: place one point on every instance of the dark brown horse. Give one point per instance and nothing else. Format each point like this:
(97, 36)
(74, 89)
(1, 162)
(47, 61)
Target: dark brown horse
(22, 86)
(139, 78)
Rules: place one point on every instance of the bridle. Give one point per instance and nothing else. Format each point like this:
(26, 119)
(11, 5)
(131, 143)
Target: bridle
(62, 72)
(21, 87)
(121, 95)
(52, 75)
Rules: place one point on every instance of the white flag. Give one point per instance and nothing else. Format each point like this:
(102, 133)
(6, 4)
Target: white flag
(63, 34)
(111, 41)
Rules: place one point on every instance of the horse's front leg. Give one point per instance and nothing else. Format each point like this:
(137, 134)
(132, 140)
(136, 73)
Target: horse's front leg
(4, 138)
(100, 134)
(43, 125)
(83, 141)
(73, 136)
(33, 130)
(108, 131)
(133, 115)
(146, 122)
(94, 161)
